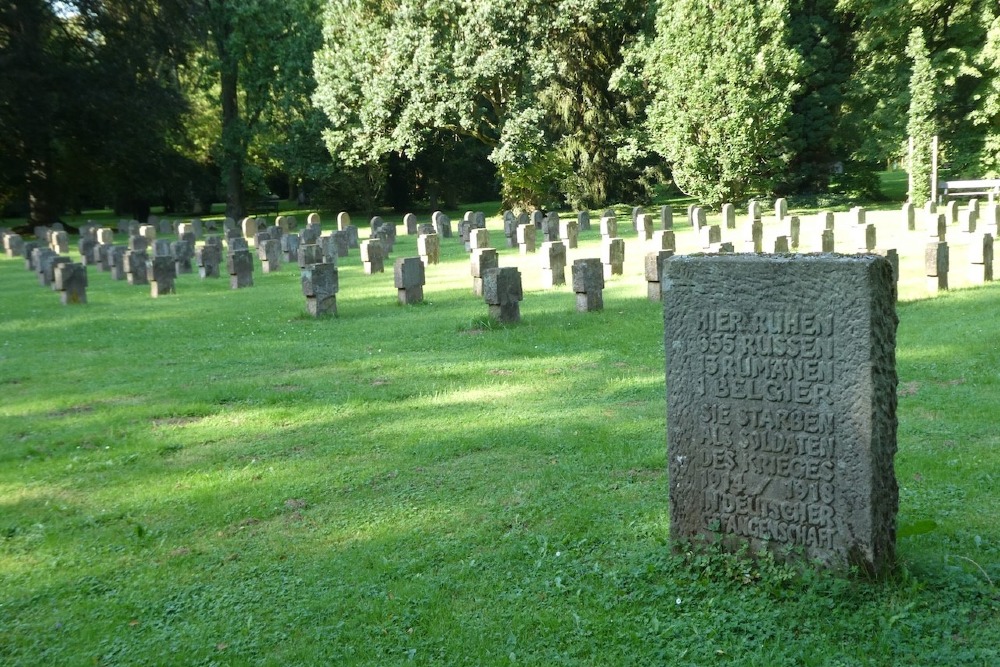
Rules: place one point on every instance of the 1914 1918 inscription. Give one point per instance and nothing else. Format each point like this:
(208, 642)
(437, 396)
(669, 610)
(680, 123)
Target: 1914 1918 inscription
(781, 404)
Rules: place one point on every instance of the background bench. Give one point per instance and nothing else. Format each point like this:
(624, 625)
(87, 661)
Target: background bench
(970, 188)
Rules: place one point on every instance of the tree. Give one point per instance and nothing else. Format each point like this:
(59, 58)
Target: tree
(921, 122)
(528, 80)
(724, 80)
(260, 52)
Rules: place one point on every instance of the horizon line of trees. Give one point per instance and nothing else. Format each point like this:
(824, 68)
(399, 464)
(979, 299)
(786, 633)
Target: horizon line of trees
(363, 103)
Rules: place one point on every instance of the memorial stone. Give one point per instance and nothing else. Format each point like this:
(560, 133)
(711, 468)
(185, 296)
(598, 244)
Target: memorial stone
(537, 217)
(729, 216)
(503, 293)
(826, 219)
(136, 271)
(116, 260)
(479, 238)
(550, 227)
(526, 238)
(781, 208)
(644, 226)
(583, 220)
(183, 253)
(320, 284)
(981, 258)
(609, 226)
(636, 212)
(162, 272)
(342, 244)
(343, 220)
(967, 220)
(937, 226)
(248, 226)
(781, 406)
(510, 228)
(429, 248)
(553, 264)
(60, 242)
(951, 212)
(290, 246)
(828, 241)
(239, 265)
(781, 244)
(410, 222)
(569, 233)
(794, 231)
(909, 217)
(372, 258)
(663, 239)
(588, 284)
(442, 225)
(936, 266)
(269, 254)
(352, 236)
(14, 245)
(408, 276)
(482, 260)
(309, 254)
(209, 259)
(654, 273)
(70, 280)
(148, 232)
(666, 217)
(105, 236)
(613, 257)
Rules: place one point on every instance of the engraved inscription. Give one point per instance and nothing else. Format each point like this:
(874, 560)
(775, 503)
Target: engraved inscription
(768, 449)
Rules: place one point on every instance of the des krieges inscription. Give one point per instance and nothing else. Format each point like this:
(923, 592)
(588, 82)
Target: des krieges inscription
(781, 404)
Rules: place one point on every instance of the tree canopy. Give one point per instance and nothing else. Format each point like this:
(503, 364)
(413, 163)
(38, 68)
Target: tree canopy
(363, 103)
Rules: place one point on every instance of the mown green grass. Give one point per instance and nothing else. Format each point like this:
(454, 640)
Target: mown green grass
(212, 477)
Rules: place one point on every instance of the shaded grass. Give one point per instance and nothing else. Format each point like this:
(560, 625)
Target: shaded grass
(214, 478)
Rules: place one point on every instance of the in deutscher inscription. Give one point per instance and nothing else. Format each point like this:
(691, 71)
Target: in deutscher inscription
(781, 404)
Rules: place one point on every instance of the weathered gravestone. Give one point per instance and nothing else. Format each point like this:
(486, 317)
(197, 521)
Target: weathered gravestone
(510, 228)
(936, 265)
(269, 253)
(13, 245)
(320, 284)
(410, 222)
(981, 258)
(483, 259)
(479, 238)
(239, 265)
(588, 284)
(666, 217)
(781, 405)
(290, 246)
(162, 273)
(442, 224)
(70, 280)
(429, 248)
(209, 258)
(116, 261)
(408, 276)
(613, 256)
(569, 233)
(553, 264)
(583, 220)
(372, 257)
(654, 273)
(644, 226)
(503, 294)
(526, 238)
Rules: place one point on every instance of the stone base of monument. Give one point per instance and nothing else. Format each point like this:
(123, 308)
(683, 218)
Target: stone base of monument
(781, 405)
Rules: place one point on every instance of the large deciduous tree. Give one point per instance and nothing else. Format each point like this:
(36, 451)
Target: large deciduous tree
(724, 81)
(260, 51)
(528, 80)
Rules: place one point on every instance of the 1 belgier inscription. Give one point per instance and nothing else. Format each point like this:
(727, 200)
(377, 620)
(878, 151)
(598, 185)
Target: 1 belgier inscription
(781, 404)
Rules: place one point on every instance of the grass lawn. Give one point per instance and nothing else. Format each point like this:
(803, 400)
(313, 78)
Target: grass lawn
(214, 478)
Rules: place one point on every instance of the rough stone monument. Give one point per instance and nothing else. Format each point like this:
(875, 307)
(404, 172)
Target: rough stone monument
(781, 405)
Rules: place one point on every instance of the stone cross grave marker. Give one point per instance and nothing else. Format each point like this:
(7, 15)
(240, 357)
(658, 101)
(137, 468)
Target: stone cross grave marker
(70, 280)
(781, 405)
(408, 276)
(483, 259)
(320, 284)
(503, 293)
(654, 273)
(553, 264)
(588, 284)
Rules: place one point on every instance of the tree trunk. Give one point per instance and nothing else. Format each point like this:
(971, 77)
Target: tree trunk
(232, 139)
(42, 207)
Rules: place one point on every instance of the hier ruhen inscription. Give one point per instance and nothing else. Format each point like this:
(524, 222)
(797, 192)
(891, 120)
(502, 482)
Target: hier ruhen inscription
(781, 404)
(767, 358)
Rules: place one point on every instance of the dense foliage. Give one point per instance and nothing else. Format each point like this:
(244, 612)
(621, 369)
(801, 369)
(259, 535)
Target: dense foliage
(362, 103)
